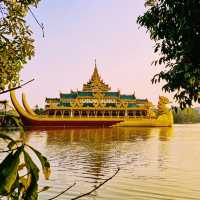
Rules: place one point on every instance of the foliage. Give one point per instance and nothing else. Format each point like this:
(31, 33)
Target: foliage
(18, 173)
(16, 43)
(174, 25)
(188, 115)
(39, 111)
(10, 120)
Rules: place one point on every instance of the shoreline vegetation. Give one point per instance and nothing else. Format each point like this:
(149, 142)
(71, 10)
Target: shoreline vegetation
(186, 116)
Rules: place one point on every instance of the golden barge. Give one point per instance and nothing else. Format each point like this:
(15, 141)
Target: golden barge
(95, 105)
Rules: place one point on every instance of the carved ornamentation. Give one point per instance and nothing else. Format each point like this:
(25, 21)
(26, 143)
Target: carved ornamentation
(148, 106)
(162, 105)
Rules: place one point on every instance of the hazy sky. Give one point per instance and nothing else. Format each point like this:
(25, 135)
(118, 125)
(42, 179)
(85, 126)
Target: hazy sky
(76, 32)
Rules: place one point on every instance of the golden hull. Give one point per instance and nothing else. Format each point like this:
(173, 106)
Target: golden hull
(29, 118)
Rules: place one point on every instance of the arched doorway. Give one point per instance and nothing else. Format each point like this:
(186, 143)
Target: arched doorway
(99, 113)
(76, 113)
(121, 113)
(84, 113)
(114, 113)
(58, 113)
(106, 114)
(91, 113)
(137, 113)
(66, 113)
(51, 112)
(131, 113)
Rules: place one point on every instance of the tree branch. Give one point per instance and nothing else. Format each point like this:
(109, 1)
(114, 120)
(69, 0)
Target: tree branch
(15, 88)
(97, 187)
(7, 151)
(63, 191)
(41, 25)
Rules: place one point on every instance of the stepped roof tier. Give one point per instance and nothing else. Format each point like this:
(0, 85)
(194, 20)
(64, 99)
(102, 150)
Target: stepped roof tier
(82, 94)
(95, 84)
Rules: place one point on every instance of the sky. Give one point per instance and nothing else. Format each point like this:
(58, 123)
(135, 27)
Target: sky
(79, 31)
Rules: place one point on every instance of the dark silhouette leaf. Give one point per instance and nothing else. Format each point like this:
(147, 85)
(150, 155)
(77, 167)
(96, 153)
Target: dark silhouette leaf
(8, 171)
(32, 190)
(44, 162)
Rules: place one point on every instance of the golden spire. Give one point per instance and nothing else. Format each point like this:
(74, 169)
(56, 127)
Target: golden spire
(95, 76)
(95, 84)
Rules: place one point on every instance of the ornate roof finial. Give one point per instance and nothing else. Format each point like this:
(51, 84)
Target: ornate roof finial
(95, 84)
(95, 62)
(95, 68)
(95, 75)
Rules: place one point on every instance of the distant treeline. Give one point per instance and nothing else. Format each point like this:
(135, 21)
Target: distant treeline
(188, 115)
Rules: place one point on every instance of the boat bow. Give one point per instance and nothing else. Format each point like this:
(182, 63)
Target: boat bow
(26, 106)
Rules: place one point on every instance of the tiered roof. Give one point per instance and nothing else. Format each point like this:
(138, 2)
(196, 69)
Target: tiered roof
(94, 87)
(96, 84)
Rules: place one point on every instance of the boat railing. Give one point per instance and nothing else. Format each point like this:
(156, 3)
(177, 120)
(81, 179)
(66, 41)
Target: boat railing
(98, 117)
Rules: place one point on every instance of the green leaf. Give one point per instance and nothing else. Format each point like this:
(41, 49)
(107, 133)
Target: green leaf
(16, 43)
(44, 162)
(177, 45)
(14, 186)
(32, 190)
(8, 171)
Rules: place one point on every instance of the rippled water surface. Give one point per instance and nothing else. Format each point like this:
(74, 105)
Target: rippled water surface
(155, 163)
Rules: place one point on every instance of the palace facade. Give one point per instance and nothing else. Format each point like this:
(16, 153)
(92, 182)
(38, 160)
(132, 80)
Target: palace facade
(97, 100)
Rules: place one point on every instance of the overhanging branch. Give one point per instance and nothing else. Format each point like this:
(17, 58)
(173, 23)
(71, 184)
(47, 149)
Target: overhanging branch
(41, 25)
(97, 187)
(18, 87)
(63, 191)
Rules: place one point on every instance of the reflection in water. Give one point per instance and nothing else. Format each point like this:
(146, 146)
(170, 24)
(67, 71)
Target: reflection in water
(97, 136)
(155, 163)
(165, 133)
(93, 154)
(99, 145)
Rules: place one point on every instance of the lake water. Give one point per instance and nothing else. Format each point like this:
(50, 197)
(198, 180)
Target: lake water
(155, 163)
